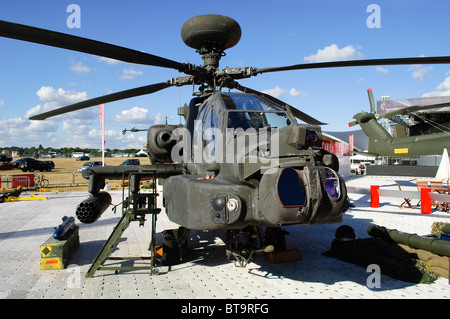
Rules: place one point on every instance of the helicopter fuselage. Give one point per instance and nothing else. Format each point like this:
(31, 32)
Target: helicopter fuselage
(382, 143)
(266, 169)
(240, 160)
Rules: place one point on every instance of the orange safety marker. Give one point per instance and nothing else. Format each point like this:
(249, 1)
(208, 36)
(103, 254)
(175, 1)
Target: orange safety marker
(425, 201)
(374, 196)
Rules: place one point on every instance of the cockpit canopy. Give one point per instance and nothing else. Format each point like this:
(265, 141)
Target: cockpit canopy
(222, 117)
(238, 110)
(230, 128)
(248, 111)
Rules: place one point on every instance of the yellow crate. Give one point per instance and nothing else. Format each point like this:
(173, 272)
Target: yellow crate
(52, 263)
(56, 254)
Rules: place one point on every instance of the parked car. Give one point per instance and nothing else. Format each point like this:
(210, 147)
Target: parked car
(89, 165)
(50, 163)
(84, 169)
(83, 158)
(131, 161)
(45, 166)
(4, 158)
(31, 164)
(16, 163)
(4, 166)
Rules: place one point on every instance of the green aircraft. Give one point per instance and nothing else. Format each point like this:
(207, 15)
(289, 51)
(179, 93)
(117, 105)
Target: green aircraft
(240, 163)
(382, 143)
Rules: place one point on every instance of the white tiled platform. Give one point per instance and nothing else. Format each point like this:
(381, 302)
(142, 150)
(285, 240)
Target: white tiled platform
(25, 225)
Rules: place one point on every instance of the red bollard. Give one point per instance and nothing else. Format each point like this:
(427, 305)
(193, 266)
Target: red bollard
(425, 201)
(374, 196)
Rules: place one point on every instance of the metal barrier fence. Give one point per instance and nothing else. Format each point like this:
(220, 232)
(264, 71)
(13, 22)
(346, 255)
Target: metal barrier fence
(14, 181)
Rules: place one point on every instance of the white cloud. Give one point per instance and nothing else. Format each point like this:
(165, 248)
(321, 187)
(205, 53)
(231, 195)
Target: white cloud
(133, 115)
(114, 139)
(108, 60)
(381, 69)
(33, 111)
(81, 128)
(40, 126)
(295, 92)
(2, 103)
(72, 129)
(275, 92)
(23, 132)
(56, 98)
(442, 89)
(79, 68)
(60, 96)
(76, 126)
(333, 53)
(420, 73)
(129, 74)
(138, 115)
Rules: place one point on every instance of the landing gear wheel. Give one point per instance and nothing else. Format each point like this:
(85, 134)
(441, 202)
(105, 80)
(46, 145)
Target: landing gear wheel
(174, 245)
(241, 253)
(275, 236)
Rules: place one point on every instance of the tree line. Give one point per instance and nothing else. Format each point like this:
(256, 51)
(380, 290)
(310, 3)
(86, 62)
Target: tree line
(61, 152)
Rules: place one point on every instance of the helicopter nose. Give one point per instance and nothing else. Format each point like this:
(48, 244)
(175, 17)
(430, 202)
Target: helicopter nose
(218, 203)
(290, 189)
(283, 196)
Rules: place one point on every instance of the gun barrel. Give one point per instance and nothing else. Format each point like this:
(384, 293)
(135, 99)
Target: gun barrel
(89, 210)
(433, 245)
(117, 172)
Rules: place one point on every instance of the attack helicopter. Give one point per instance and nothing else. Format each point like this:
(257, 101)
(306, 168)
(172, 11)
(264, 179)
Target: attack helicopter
(241, 161)
(382, 143)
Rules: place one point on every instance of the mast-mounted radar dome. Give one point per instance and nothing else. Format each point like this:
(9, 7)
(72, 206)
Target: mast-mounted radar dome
(210, 35)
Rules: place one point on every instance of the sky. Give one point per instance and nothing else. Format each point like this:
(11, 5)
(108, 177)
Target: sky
(34, 77)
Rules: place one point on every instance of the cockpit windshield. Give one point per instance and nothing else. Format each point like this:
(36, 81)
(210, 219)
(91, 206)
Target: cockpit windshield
(249, 111)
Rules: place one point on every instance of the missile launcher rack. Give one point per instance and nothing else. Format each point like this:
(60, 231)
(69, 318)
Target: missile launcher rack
(135, 207)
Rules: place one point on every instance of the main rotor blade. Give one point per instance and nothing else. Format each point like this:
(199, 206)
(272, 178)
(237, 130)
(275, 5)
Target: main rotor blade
(405, 111)
(297, 113)
(349, 63)
(104, 99)
(411, 109)
(70, 42)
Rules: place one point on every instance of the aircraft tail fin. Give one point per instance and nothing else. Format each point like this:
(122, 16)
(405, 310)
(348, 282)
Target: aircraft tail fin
(379, 138)
(371, 101)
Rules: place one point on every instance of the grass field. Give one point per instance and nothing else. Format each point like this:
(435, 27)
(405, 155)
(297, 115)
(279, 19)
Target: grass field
(65, 176)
